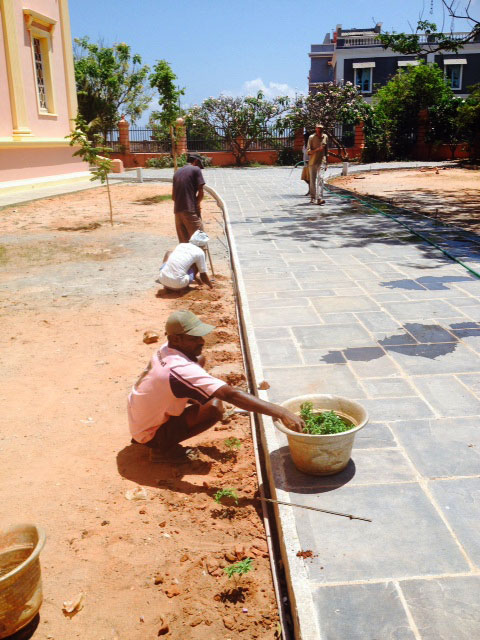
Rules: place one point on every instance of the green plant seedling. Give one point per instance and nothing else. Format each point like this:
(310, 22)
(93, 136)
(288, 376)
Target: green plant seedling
(233, 444)
(239, 568)
(226, 493)
(323, 423)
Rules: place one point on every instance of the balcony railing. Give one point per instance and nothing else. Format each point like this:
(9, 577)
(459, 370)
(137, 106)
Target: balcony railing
(368, 41)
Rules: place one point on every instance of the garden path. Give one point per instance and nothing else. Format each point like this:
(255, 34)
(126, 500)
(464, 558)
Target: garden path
(337, 301)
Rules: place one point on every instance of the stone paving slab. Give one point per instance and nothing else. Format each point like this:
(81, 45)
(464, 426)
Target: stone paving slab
(337, 300)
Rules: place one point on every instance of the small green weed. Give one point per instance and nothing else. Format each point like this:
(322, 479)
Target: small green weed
(233, 444)
(225, 493)
(239, 568)
(323, 423)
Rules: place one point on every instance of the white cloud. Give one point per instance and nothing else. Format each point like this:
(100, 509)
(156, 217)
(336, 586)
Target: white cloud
(272, 90)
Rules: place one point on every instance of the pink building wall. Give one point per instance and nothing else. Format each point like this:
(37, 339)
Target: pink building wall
(21, 164)
(39, 149)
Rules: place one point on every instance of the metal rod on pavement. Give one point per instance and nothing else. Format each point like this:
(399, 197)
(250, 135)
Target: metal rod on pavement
(334, 513)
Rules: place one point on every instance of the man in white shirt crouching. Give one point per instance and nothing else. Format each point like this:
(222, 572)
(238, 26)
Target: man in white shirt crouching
(180, 266)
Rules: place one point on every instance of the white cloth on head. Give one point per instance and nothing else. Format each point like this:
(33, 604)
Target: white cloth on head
(199, 238)
(174, 273)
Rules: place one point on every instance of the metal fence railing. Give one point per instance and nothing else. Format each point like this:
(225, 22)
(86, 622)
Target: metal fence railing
(215, 139)
(345, 133)
(141, 141)
(145, 140)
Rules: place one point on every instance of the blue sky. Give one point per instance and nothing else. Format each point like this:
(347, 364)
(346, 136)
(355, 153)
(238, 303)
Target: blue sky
(237, 46)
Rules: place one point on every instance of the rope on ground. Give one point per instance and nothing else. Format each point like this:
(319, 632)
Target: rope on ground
(404, 224)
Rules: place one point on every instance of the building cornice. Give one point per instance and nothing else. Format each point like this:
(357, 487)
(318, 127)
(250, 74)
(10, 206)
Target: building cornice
(31, 142)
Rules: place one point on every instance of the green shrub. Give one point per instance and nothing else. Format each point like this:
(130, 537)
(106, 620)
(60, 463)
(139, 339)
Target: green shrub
(166, 162)
(287, 157)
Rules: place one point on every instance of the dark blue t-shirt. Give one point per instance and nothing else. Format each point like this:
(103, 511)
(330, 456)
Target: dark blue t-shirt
(186, 183)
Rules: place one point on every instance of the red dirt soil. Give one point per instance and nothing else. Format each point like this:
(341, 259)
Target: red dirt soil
(448, 194)
(147, 567)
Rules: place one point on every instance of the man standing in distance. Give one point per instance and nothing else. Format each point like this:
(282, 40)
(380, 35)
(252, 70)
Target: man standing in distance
(316, 150)
(187, 194)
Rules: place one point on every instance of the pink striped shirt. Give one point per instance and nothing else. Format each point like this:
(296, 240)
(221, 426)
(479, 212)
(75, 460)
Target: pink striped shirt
(163, 390)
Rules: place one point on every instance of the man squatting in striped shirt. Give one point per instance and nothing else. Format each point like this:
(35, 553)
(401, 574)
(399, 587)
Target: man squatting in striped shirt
(175, 398)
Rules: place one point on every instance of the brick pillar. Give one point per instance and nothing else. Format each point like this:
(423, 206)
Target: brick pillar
(422, 149)
(298, 140)
(359, 136)
(123, 134)
(181, 136)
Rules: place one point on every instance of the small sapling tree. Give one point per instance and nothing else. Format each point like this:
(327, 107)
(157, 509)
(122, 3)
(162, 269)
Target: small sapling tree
(233, 446)
(239, 569)
(236, 571)
(163, 79)
(92, 151)
(221, 494)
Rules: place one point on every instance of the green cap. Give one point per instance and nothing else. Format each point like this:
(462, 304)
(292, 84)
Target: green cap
(186, 322)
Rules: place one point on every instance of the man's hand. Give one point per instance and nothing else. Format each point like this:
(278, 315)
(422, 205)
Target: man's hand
(247, 401)
(206, 280)
(292, 421)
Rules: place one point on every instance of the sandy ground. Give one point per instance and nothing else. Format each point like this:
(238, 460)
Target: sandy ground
(73, 309)
(448, 194)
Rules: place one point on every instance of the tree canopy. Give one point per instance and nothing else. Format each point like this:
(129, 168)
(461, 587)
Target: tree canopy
(333, 103)
(239, 120)
(428, 39)
(396, 106)
(110, 81)
(469, 120)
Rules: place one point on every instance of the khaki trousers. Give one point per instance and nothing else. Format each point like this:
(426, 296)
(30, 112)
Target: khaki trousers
(186, 224)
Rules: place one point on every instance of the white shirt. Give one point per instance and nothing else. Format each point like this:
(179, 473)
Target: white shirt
(174, 273)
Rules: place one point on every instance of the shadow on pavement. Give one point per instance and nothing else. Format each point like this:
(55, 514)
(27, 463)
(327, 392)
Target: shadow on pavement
(303, 483)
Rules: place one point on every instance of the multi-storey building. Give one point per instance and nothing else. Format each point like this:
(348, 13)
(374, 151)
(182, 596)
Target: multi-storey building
(357, 56)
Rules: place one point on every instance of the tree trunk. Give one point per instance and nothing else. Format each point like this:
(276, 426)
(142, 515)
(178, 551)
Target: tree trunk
(109, 201)
(174, 149)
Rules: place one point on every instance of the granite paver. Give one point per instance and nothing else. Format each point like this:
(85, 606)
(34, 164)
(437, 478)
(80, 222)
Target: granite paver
(396, 328)
(338, 301)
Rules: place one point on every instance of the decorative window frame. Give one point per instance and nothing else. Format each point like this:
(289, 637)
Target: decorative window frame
(459, 62)
(363, 65)
(42, 27)
(408, 63)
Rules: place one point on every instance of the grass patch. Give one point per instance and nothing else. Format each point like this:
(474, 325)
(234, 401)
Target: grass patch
(155, 199)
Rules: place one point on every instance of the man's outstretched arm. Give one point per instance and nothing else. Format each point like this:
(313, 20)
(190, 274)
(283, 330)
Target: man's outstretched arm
(206, 280)
(251, 403)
